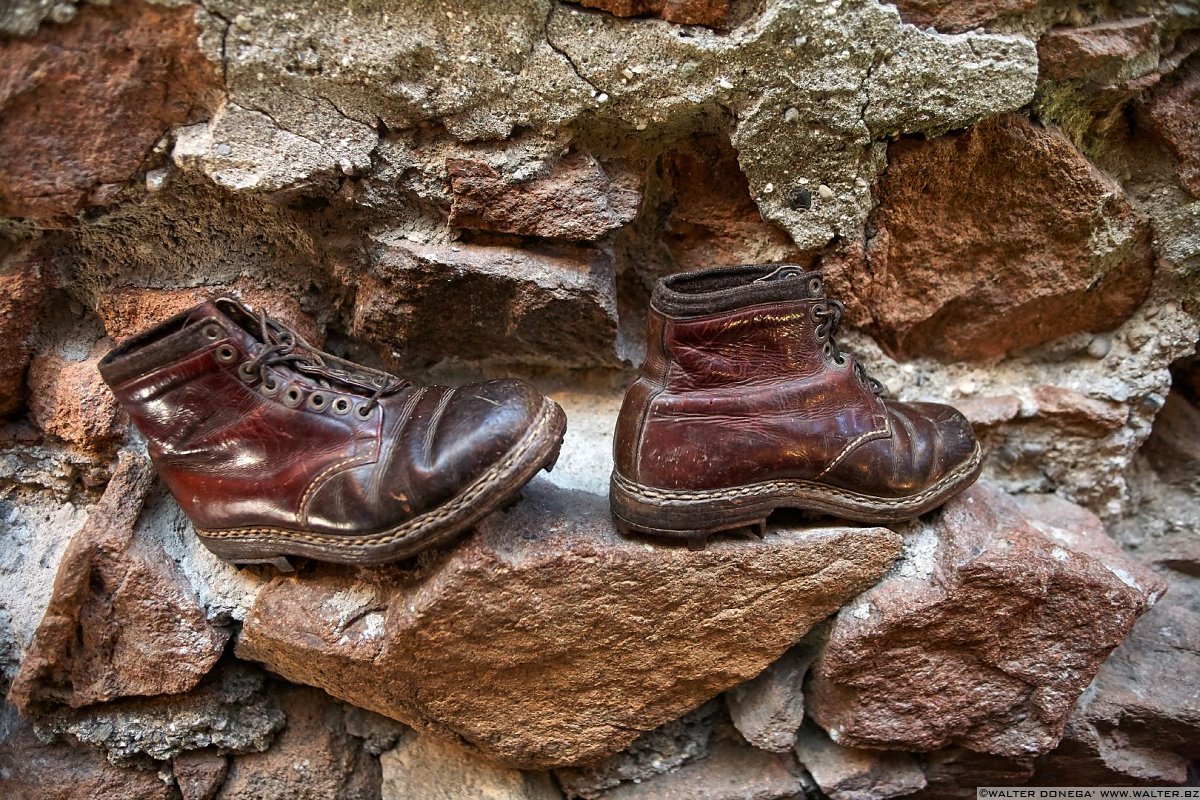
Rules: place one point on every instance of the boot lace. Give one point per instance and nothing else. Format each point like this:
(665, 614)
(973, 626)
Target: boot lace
(282, 346)
(828, 314)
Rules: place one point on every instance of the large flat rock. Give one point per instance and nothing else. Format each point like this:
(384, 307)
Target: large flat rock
(545, 639)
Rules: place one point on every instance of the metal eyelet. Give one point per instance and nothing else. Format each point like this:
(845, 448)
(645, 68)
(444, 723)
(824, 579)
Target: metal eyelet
(341, 406)
(226, 353)
(822, 331)
(827, 350)
(364, 411)
(840, 361)
(814, 286)
(317, 401)
(269, 386)
(213, 331)
(247, 373)
(292, 396)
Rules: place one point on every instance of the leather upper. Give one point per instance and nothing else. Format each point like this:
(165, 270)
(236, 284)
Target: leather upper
(742, 383)
(300, 445)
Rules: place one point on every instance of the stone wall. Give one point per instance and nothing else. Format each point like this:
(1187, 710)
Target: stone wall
(1004, 193)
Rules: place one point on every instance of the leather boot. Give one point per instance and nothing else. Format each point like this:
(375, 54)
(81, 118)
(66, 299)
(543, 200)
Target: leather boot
(744, 404)
(275, 448)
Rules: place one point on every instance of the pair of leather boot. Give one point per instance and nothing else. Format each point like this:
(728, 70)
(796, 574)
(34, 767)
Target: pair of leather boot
(744, 404)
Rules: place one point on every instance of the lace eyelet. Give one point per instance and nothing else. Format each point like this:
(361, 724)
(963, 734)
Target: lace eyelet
(814, 286)
(364, 411)
(213, 331)
(247, 373)
(226, 353)
(317, 401)
(270, 386)
(341, 406)
(827, 351)
(292, 397)
(840, 361)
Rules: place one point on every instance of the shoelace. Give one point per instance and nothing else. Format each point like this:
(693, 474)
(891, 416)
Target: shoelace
(832, 311)
(281, 345)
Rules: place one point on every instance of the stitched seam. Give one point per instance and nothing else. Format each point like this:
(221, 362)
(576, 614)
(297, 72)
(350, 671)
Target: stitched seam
(666, 496)
(885, 430)
(434, 419)
(325, 475)
(463, 502)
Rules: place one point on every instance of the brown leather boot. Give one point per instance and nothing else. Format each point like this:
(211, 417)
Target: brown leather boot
(744, 404)
(275, 448)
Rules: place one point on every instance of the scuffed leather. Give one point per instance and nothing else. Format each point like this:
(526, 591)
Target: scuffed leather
(235, 458)
(751, 394)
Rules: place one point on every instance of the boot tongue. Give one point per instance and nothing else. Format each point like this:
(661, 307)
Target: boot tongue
(233, 315)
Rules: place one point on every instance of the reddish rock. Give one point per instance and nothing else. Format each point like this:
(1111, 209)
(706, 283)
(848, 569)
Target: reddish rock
(546, 639)
(997, 238)
(1139, 723)
(1096, 53)
(314, 758)
(909, 666)
(199, 773)
(955, 16)
(428, 768)
(121, 621)
(956, 772)
(711, 217)
(22, 286)
(127, 312)
(81, 104)
(548, 304)
(1173, 448)
(1075, 412)
(34, 770)
(713, 13)
(68, 399)
(768, 710)
(577, 200)
(1169, 112)
(987, 411)
(847, 773)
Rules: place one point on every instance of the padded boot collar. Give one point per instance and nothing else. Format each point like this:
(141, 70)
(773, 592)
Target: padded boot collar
(721, 289)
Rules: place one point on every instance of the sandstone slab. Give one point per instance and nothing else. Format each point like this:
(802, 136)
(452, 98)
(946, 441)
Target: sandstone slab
(121, 621)
(1102, 53)
(955, 16)
(69, 400)
(714, 13)
(909, 666)
(994, 239)
(547, 304)
(577, 199)
(81, 104)
(545, 639)
(314, 758)
(1169, 112)
(22, 286)
(428, 768)
(847, 773)
(34, 770)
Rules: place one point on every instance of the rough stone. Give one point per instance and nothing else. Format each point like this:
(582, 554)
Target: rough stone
(847, 773)
(231, 711)
(1102, 53)
(82, 104)
(33, 770)
(955, 772)
(1139, 721)
(587, 633)
(22, 286)
(199, 773)
(314, 758)
(121, 621)
(1036, 244)
(769, 709)
(732, 771)
(1071, 410)
(577, 200)
(69, 399)
(128, 311)
(955, 16)
(908, 665)
(713, 13)
(1169, 112)
(547, 304)
(427, 768)
(663, 749)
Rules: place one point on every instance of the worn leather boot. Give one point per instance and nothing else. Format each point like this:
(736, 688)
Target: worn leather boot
(744, 404)
(274, 448)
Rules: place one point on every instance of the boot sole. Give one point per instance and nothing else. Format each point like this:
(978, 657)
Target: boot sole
(497, 488)
(694, 515)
